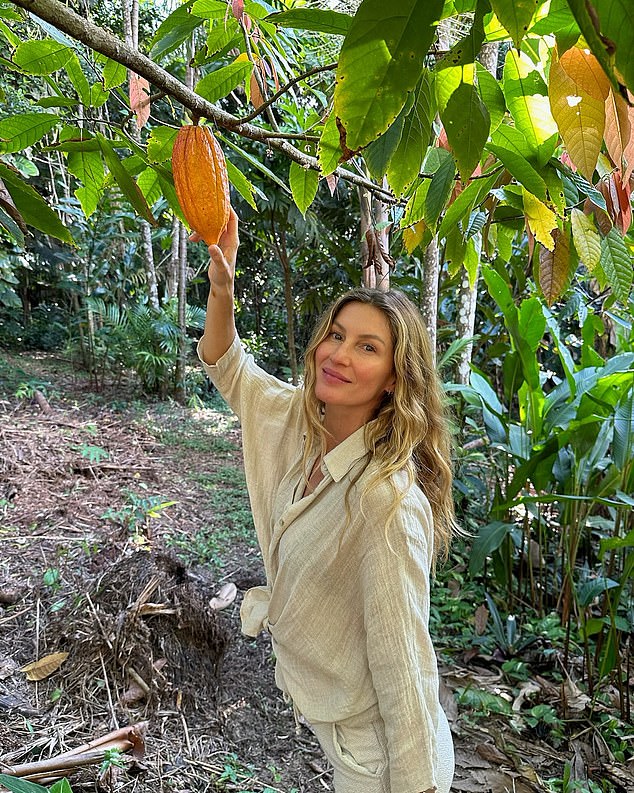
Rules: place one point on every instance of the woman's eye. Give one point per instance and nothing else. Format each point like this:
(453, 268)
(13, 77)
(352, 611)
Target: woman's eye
(369, 348)
(336, 336)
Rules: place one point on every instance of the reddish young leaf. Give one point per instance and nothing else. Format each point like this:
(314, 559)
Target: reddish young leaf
(618, 129)
(237, 8)
(623, 193)
(332, 181)
(140, 99)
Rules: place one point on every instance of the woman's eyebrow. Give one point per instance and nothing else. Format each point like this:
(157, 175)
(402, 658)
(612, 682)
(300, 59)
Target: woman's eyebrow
(339, 326)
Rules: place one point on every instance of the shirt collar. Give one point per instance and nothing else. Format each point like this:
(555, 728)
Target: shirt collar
(344, 456)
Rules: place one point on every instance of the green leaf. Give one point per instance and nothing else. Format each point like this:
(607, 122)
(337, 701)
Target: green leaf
(218, 84)
(88, 168)
(208, 9)
(19, 132)
(57, 101)
(316, 19)
(243, 185)
(526, 96)
(489, 539)
(126, 183)
(532, 322)
(447, 81)
(174, 31)
(615, 24)
(33, 208)
(586, 239)
(329, 151)
(16, 234)
(466, 121)
(461, 208)
(221, 35)
(114, 74)
(442, 183)
(380, 63)
(492, 96)
(617, 264)
(415, 207)
(516, 16)
(405, 164)
(17, 785)
(623, 440)
(44, 56)
(599, 48)
(78, 79)
(161, 143)
(379, 153)
(521, 170)
(149, 182)
(304, 183)
(455, 249)
(255, 163)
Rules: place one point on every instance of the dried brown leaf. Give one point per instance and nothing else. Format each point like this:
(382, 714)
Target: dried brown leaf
(481, 617)
(43, 667)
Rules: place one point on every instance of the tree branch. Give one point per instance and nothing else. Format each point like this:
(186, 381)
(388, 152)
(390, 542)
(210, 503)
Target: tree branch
(102, 41)
(327, 68)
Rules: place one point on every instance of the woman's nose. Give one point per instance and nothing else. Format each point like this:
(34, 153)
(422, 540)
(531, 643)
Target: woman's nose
(341, 353)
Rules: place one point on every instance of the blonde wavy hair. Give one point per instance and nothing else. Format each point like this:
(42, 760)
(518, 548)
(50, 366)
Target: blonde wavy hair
(411, 430)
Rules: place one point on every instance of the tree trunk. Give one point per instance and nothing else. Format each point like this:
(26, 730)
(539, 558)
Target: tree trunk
(173, 263)
(131, 27)
(181, 361)
(180, 390)
(429, 302)
(467, 297)
(279, 242)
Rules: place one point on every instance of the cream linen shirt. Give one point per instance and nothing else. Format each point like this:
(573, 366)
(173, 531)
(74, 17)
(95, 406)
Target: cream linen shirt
(347, 606)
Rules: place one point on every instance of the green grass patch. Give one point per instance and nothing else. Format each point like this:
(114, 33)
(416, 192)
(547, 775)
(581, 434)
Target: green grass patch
(230, 524)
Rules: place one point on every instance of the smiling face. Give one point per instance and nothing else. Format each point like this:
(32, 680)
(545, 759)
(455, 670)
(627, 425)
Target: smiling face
(355, 364)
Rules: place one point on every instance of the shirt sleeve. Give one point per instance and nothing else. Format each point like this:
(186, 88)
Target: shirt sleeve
(395, 580)
(270, 417)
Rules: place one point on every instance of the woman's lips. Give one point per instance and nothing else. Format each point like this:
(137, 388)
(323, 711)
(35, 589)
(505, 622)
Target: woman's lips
(332, 376)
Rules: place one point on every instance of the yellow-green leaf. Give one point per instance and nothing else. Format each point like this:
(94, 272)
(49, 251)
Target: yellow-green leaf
(413, 236)
(515, 15)
(554, 267)
(329, 151)
(586, 239)
(580, 118)
(303, 183)
(542, 221)
(526, 98)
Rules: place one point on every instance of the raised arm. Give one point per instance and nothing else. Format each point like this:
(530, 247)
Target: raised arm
(220, 328)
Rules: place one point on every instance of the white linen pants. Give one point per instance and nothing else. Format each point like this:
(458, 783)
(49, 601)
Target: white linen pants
(357, 750)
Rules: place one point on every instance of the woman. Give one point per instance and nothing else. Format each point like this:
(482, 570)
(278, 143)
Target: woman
(350, 490)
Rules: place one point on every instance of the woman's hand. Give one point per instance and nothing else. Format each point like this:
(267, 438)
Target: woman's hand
(222, 266)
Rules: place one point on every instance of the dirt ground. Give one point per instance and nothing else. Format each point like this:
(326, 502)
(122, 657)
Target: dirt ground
(94, 584)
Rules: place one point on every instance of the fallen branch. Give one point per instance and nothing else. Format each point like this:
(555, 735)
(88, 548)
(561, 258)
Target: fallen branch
(126, 739)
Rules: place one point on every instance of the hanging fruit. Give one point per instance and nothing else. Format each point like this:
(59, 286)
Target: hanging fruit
(201, 182)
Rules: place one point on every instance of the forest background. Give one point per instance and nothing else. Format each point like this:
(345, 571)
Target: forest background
(477, 155)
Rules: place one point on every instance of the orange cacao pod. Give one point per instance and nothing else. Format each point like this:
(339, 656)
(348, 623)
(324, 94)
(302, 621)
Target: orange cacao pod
(201, 182)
